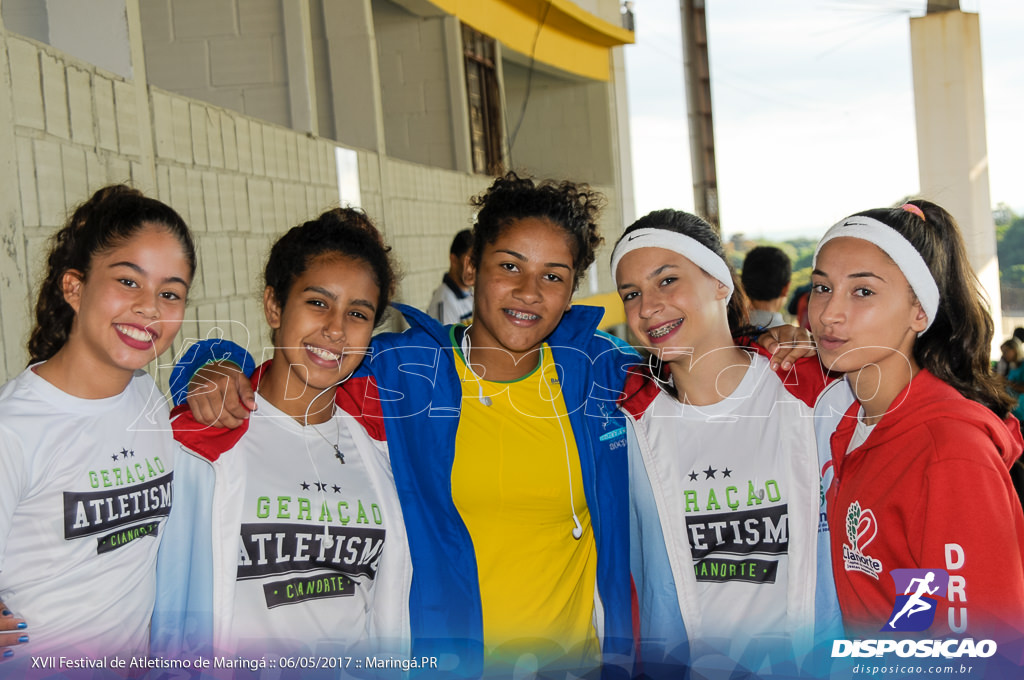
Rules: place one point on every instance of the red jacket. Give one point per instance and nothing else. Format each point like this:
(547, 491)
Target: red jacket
(929, 489)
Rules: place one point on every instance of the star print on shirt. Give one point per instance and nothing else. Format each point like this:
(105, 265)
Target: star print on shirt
(124, 453)
(305, 487)
(114, 457)
(709, 473)
(726, 472)
(693, 476)
(337, 489)
(320, 486)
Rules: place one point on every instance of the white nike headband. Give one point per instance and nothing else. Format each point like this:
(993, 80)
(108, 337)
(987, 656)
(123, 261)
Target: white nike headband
(690, 248)
(899, 250)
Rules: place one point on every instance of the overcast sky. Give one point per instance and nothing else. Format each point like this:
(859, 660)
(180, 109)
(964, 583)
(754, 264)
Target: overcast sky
(813, 108)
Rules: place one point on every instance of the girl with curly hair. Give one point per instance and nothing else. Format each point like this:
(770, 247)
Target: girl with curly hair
(86, 462)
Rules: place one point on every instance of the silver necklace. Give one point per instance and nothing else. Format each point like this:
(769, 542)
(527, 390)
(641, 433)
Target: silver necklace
(337, 451)
(328, 540)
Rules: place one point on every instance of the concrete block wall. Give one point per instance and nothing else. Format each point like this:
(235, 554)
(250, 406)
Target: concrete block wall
(68, 128)
(227, 52)
(414, 82)
(425, 207)
(567, 129)
(238, 182)
(27, 17)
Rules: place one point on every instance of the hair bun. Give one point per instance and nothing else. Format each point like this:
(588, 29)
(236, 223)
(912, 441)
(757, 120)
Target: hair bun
(101, 200)
(352, 218)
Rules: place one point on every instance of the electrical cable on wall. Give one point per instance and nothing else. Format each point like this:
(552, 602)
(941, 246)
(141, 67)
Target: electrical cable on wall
(529, 79)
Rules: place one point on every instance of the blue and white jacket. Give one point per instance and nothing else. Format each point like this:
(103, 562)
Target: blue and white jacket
(197, 564)
(417, 395)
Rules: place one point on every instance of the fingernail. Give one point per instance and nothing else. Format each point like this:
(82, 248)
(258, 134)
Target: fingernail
(22, 626)
(23, 638)
(8, 654)
(6, 612)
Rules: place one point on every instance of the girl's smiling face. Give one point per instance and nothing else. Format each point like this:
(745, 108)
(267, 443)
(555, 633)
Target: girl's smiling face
(323, 330)
(130, 304)
(672, 306)
(523, 286)
(862, 310)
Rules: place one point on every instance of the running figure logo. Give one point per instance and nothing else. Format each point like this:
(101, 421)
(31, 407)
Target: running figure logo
(914, 610)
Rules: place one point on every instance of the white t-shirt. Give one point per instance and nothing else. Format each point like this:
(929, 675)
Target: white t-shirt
(733, 462)
(85, 487)
(292, 586)
(861, 432)
(450, 304)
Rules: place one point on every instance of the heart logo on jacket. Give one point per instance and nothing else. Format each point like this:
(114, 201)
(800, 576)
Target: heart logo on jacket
(867, 527)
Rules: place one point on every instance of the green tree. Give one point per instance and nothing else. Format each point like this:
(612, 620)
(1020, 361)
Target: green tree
(1010, 249)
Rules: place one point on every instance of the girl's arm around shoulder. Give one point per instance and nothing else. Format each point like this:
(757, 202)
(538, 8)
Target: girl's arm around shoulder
(806, 379)
(792, 355)
(208, 441)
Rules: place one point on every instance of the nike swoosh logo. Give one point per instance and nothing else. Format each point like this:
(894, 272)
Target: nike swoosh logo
(633, 236)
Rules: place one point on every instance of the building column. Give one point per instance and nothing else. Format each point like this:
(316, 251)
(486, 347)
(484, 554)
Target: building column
(458, 100)
(949, 103)
(108, 34)
(355, 74)
(298, 42)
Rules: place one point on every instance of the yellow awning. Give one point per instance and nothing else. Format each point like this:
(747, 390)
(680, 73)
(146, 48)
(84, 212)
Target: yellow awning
(571, 39)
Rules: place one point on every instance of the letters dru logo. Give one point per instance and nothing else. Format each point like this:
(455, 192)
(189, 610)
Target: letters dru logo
(917, 593)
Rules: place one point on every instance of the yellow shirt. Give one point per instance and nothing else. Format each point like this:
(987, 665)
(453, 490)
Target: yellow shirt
(514, 463)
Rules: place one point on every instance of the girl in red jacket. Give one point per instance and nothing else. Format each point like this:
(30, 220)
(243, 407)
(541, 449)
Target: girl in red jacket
(927, 535)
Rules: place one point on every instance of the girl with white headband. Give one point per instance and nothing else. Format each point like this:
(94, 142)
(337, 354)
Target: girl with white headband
(921, 456)
(724, 478)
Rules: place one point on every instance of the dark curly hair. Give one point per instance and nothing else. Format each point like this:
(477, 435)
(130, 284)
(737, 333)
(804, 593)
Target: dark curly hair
(109, 219)
(341, 231)
(693, 226)
(571, 206)
(956, 347)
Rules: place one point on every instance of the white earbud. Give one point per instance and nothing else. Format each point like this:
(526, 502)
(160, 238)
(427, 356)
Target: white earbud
(466, 346)
(577, 529)
(328, 541)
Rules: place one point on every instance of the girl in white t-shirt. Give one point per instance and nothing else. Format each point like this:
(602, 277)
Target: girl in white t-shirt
(292, 542)
(86, 460)
(724, 484)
